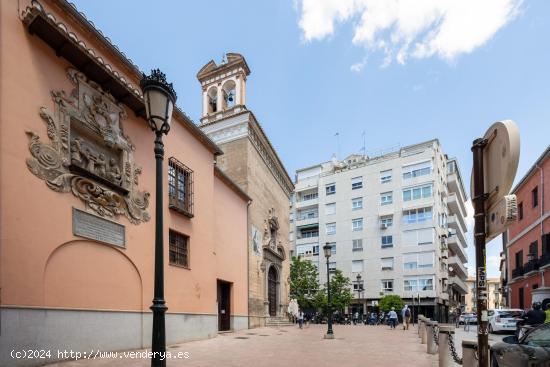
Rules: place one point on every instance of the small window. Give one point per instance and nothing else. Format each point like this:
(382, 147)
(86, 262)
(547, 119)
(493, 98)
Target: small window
(387, 263)
(535, 196)
(330, 189)
(330, 228)
(357, 245)
(385, 176)
(179, 249)
(386, 221)
(357, 266)
(387, 285)
(520, 211)
(387, 241)
(357, 203)
(180, 187)
(330, 208)
(357, 224)
(332, 248)
(356, 183)
(331, 266)
(386, 198)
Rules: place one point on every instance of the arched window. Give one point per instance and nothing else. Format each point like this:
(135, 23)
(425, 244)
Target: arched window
(212, 100)
(229, 95)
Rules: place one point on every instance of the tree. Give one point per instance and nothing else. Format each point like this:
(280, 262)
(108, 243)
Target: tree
(341, 293)
(304, 284)
(389, 301)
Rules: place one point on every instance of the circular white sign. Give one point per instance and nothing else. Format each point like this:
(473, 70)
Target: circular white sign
(500, 160)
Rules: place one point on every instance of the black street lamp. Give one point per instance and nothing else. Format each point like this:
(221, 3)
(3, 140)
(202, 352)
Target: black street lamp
(159, 98)
(327, 248)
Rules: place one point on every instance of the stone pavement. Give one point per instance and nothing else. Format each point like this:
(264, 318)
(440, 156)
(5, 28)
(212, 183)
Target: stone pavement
(354, 345)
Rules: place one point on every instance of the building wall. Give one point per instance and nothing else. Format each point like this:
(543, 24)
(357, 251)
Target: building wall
(55, 284)
(534, 224)
(316, 179)
(494, 296)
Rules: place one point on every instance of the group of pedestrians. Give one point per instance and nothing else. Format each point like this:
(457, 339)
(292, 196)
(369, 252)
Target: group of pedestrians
(405, 315)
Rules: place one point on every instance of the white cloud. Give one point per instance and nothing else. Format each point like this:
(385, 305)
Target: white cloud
(358, 66)
(402, 29)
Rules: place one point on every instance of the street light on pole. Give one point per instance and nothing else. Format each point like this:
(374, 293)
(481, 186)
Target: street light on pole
(159, 98)
(327, 248)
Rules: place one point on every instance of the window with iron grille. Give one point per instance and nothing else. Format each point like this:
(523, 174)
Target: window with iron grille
(180, 187)
(179, 249)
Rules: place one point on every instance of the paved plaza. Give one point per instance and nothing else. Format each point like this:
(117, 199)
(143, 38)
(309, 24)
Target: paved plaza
(289, 346)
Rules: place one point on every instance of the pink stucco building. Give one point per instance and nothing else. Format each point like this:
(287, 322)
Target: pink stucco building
(76, 215)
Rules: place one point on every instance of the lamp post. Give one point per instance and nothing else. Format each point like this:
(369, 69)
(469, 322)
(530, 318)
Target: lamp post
(159, 98)
(359, 289)
(330, 334)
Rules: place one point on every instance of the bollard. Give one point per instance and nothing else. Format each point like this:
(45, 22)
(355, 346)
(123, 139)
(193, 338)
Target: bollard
(445, 358)
(420, 317)
(431, 346)
(469, 353)
(423, 334)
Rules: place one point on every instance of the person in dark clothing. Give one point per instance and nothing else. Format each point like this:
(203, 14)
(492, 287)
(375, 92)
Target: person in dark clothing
(533, 317)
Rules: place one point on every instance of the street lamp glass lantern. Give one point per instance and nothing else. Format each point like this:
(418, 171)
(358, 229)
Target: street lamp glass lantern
(358, 278)
(159, 98)
(328, 250)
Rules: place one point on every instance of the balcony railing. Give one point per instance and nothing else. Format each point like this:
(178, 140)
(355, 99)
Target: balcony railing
(544, 259)
(517, 272)
(530, 266)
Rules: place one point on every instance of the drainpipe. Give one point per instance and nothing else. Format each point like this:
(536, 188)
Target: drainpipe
(541, 211)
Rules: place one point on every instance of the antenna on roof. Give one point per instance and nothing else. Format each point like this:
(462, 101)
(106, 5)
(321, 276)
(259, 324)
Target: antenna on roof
(337, 145)
(364, 149)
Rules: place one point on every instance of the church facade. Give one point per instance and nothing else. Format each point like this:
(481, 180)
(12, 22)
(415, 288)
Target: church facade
(250, 160)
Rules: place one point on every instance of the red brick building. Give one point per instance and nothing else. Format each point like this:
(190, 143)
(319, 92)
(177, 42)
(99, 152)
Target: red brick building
(528, 247)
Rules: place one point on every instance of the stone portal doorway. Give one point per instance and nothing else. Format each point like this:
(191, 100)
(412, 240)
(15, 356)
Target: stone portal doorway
(272, 280)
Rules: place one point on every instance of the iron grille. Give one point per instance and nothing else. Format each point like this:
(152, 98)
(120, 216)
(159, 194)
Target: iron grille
(180, 187)
(179, 249)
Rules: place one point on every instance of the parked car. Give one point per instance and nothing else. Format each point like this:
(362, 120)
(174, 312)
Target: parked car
(470, 317)
(532, 349)
(503, 320)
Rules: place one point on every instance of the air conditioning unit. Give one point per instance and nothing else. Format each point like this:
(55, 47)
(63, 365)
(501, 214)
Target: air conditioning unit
(383, 226)
(501, 215)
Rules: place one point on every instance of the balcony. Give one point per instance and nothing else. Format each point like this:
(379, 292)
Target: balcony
(456, 204)
(458, 266)
(456, 247)
(454, 183)
(458, 284)
(544, 261)
(457, 223)
(517, 272)
(307, 203)
(531, 267)
(307, 221)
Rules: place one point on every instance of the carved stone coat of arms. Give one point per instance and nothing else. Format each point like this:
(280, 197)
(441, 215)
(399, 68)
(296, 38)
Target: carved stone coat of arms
(88, 153)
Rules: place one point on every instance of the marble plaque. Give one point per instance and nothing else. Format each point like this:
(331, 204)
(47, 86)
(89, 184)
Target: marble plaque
(98, 229)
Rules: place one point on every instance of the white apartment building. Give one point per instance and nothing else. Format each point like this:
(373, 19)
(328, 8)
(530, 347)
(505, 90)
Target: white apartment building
(397, 221)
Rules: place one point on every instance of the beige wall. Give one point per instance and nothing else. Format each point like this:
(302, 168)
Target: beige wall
(494, 300)
(42, 264)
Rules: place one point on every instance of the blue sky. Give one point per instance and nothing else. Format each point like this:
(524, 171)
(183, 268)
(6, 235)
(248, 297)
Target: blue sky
(325, 66)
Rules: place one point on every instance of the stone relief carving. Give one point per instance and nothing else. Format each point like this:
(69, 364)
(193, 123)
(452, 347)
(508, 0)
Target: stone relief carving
(89, 154)
(272, 245)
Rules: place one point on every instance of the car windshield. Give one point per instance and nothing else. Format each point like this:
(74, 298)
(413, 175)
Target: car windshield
(509, 314)
(539, 337)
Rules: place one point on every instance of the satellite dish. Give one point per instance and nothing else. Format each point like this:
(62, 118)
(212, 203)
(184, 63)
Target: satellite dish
(500, 160)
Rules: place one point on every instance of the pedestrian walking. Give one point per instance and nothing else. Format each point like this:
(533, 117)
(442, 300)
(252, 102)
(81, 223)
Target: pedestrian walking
(301, 319)
(406, 315)
(547, 312)
(392, 315)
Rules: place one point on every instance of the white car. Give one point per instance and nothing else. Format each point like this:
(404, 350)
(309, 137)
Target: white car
(503, 320)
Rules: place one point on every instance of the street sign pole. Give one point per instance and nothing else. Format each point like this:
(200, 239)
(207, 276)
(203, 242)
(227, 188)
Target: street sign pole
(478, 198)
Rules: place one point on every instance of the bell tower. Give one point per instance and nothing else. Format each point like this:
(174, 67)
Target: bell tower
(223, 87)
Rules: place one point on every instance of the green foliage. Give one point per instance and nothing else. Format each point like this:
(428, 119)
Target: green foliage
(304, 284)
(389, 301)
(341, 293)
